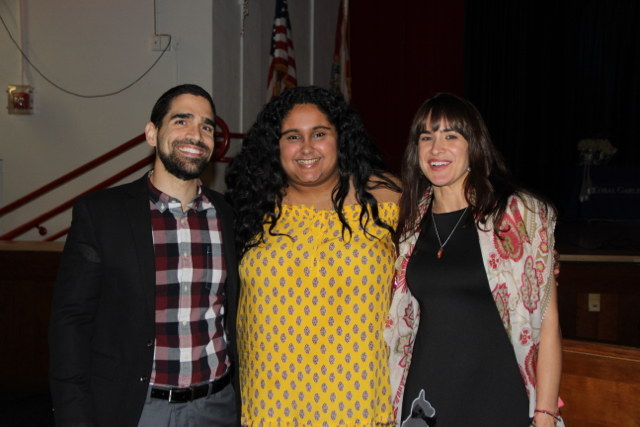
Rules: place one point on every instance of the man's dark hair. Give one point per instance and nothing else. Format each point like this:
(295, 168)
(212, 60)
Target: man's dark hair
(163, 104)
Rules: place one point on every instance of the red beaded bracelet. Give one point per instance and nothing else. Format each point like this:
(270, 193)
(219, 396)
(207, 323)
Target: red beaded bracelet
(555, 415)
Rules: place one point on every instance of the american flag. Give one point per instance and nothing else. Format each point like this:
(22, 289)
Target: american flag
(341, 67)
(282, 71)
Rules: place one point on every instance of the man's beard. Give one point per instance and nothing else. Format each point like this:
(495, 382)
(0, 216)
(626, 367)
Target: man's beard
(185, 169)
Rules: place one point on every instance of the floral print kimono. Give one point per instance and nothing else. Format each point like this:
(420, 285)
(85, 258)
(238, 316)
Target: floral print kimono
(519, 267)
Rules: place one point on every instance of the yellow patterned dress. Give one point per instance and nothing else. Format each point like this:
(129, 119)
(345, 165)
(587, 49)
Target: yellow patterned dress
(312, 310)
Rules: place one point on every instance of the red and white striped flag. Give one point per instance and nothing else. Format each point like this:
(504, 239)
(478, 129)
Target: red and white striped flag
(282, 71)
(341, 67)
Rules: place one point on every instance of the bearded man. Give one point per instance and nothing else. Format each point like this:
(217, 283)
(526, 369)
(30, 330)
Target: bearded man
(142, 327)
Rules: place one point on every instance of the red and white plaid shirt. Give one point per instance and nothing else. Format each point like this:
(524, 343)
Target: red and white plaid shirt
(190, 345)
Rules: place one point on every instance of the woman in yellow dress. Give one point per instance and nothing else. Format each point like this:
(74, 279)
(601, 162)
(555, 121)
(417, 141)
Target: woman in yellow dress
(315, 211)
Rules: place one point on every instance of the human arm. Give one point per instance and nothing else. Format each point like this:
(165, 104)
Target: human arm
(73, 311)
(549, 366)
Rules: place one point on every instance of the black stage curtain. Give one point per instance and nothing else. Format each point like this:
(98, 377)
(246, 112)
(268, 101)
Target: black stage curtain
(545, 77)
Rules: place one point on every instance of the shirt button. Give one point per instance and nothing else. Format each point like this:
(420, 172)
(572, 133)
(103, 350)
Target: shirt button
(185, 254)
(184, 323)
(185, 289)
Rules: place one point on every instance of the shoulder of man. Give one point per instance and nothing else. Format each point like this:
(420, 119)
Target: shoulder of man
(113, 194)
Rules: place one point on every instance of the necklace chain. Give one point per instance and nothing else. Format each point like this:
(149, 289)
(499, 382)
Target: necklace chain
(435, 227)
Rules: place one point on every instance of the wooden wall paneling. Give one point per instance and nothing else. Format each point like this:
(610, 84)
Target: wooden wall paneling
(567, 305)
(629, 320)
(586, 321)
(608, 318)
(27, 283)
(26, 308)
(600, 385)
(600, 277)
(618, 284)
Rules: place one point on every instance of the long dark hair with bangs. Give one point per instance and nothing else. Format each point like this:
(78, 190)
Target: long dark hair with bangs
(255, 179)
(487, 186)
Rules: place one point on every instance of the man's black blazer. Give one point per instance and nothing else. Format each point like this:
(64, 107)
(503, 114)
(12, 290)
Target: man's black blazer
(102, 330)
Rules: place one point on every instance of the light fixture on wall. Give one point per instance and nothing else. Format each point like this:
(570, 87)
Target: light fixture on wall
(20, 99)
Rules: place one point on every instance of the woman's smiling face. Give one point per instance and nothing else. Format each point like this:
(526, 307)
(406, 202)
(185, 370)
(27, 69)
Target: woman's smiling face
(309, 147)
(444, 155)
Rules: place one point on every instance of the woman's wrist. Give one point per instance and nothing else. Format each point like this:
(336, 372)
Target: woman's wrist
(543, 417)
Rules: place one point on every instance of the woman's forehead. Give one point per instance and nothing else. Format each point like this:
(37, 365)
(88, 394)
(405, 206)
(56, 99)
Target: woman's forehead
(434, 121)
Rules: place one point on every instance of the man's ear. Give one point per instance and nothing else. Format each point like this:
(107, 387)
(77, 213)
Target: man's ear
(151, 133)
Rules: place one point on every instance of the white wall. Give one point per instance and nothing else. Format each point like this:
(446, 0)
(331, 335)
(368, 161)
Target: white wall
(101, 46)
(241, 64)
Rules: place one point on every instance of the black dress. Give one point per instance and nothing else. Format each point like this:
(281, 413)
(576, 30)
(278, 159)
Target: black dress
(462, 356)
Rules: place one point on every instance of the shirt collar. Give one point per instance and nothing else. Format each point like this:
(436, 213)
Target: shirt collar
(163, 201)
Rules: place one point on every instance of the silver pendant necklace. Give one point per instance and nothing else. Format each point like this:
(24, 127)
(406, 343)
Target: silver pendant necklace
(435, 227)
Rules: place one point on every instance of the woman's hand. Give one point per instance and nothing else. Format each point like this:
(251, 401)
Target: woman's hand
(556, 265)
(543, 422)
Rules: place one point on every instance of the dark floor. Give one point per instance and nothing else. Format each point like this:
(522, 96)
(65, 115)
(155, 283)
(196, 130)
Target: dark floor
(25, 409)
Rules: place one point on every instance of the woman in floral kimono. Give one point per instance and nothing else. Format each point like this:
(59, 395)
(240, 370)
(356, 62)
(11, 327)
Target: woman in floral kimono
(475, 272)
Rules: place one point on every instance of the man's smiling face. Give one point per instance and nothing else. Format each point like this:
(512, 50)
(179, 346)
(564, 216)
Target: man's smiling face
(185, 141)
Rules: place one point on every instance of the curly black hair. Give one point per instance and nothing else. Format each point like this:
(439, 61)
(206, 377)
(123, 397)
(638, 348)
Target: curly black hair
(255, 178)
